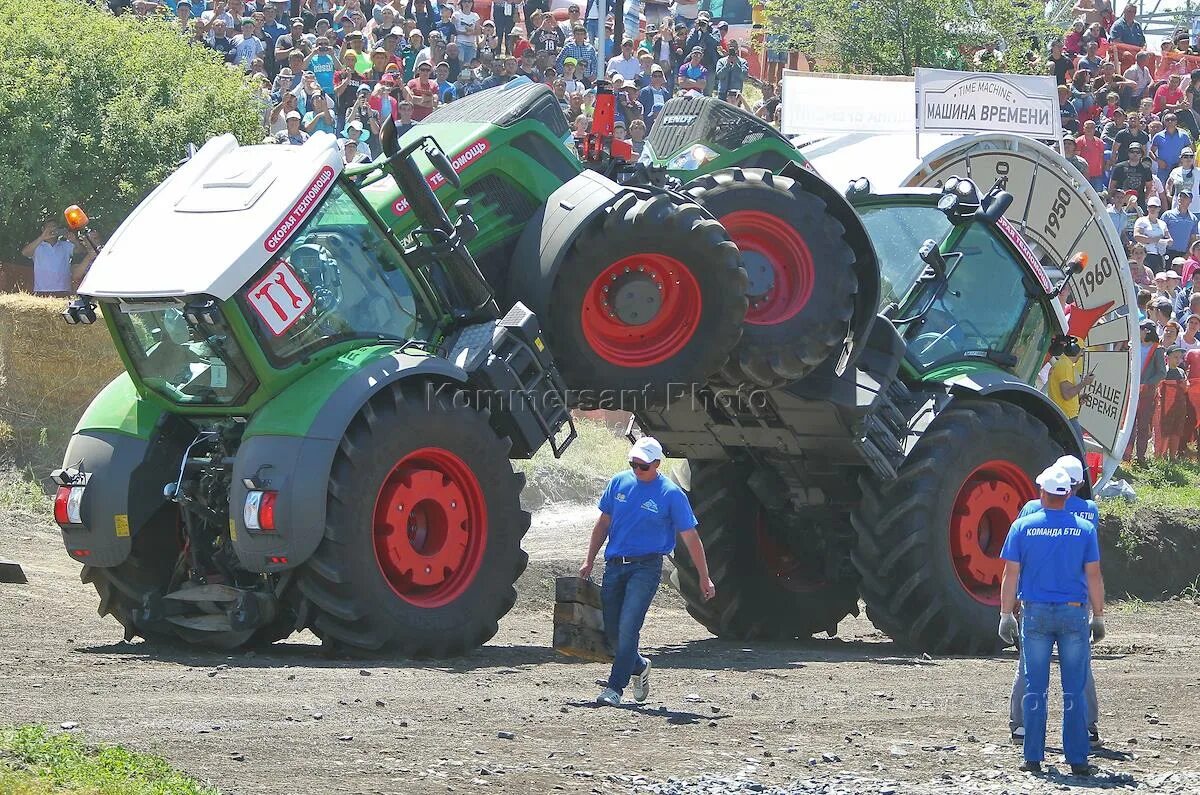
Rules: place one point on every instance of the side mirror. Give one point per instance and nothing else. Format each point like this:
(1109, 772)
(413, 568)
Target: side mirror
(995, 205)
(440, 162)
(388, 138)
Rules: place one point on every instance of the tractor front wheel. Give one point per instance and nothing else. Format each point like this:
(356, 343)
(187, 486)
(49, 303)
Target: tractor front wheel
(800, 267)
(766, 588)
(929, 541)
(423, 534)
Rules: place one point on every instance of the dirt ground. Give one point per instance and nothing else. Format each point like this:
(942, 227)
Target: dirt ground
(825, 713)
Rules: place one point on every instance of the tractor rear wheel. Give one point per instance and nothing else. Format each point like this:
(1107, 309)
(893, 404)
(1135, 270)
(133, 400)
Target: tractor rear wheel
(801, 270)
(929, 541)
(651, 294)
(150, 570)
(765, 590)
(423, 532)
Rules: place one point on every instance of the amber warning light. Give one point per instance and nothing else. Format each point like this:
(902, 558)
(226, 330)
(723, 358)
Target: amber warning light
(76, 218)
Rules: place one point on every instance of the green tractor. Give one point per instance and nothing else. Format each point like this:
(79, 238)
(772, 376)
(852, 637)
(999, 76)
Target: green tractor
(323, 395)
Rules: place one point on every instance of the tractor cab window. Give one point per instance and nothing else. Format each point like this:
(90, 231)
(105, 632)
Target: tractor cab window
(898, 232)
(185, 362)
(337, 279)
(982, 309)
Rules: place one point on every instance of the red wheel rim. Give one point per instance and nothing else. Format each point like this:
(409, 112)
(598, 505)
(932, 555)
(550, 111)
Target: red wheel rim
(641, 310)
(779, 263)
(789, 571)
(986, 505)
(430, 527)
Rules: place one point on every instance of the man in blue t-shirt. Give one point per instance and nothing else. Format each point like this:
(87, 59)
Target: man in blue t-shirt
(1052, 564)
(640, 513)
(1088, 512)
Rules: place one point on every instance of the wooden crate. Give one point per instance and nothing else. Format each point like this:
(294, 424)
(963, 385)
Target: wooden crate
(578, 620)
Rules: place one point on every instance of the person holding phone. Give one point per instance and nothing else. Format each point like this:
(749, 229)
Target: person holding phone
(1065, 383)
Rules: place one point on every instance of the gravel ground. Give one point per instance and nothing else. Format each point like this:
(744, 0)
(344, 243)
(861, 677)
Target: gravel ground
(847, 715)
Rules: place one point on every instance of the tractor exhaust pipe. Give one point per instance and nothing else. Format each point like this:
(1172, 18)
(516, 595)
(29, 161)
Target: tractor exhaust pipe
(452, 267)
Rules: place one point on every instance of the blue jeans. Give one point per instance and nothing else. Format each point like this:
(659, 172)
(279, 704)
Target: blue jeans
(1042, 626)
(626, 595)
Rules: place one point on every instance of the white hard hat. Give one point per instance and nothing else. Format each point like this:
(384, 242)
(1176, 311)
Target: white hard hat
(1054, 480)
(647, 449)
(1073, 467)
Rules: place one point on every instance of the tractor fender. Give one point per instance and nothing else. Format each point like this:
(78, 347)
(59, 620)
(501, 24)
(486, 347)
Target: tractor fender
(125, 472)
(299, 467)
(998, 386)
(548, 236)
(866, 262)
(107, 513)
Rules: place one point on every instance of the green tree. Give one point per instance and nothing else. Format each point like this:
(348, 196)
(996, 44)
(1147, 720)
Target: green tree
(96, 110)
(893, 37)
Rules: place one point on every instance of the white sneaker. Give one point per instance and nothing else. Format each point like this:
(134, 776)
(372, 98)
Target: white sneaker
(610, 697)
(641, 683)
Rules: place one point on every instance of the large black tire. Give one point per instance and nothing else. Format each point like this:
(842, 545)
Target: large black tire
(929, 540)
(148, 570)
(123, 588)
(418, 443)
(651, 294)
(754, 599)
(801, 271)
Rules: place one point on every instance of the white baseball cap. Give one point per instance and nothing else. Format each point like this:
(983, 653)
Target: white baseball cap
(1073, 467)
(1054, 480)
(647, 449)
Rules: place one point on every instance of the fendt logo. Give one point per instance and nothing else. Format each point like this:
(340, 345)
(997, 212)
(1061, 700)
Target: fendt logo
(459, 163)
(300, 209)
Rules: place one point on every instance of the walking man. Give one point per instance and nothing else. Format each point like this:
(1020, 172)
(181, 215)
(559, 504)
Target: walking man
(640, 512)
(1088, 512)
(1052, 563)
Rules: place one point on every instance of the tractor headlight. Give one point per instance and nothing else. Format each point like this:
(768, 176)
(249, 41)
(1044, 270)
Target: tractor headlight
(695, 156)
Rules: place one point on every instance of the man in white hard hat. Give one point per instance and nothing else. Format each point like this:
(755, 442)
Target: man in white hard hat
(1087, 511)
(1052, 564)
(641, 510)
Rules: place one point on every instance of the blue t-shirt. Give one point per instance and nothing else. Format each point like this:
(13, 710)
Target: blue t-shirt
(1052, 548)
(1084, 509)
(645, 516)
(322, 69)
(1170, 146)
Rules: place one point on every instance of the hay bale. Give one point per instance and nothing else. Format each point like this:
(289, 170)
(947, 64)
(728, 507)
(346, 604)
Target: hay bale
(49, 373)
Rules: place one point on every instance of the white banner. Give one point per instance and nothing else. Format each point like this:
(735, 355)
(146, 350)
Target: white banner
(974, 102)
(832, 103)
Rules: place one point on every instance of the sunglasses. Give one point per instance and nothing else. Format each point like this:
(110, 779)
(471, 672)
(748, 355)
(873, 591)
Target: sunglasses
(638, 465)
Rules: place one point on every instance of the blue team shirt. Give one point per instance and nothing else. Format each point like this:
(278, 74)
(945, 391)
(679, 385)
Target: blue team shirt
(1052, 548)
(645, 516)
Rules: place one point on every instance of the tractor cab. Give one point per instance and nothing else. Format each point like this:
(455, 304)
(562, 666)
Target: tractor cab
(956, 283)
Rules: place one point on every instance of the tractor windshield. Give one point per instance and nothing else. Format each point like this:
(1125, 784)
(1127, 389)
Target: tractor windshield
(337, 279)
(184, 362)
(898, 231)
(985, 310)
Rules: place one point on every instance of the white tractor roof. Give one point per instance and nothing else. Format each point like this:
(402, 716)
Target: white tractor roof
(210, 226)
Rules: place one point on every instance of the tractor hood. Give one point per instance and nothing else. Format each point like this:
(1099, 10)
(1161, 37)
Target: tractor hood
(213, 223)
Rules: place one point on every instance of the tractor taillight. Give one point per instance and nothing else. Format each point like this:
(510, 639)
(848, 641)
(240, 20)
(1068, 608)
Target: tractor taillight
(259, 511)
(66, 504)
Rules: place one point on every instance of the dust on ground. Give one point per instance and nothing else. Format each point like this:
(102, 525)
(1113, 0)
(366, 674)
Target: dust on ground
(852, 714)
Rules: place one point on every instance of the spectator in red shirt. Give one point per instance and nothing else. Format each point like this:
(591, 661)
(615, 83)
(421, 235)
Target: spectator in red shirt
(1091, 149)
(424, 92)
(1169, 96)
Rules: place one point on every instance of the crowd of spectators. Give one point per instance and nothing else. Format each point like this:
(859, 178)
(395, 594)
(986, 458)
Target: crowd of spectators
(345, 66)
(1132, 116)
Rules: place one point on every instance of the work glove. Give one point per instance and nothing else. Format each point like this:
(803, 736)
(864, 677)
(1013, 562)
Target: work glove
(1097, 627)
(1008, 628)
